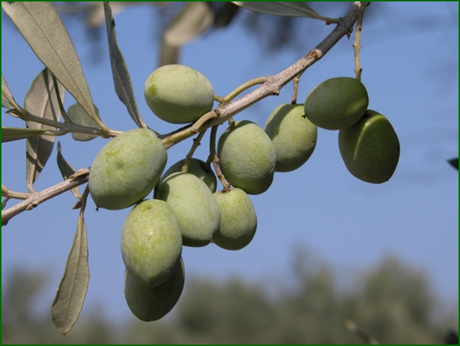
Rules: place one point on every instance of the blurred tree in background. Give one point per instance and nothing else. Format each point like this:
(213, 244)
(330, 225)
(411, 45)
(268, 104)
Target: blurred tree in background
(390, 303)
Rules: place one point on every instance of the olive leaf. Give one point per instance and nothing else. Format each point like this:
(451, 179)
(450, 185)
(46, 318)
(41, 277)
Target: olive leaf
(41, 100)
(41, 27)
(79, 116)
(287, 9)
(120, 73)
(7, 98)
(168, 54)
(96, 16)
(454, 162)
(192, 21)
(224, 14)
(72, 289)
(16, 133)
(66, 169)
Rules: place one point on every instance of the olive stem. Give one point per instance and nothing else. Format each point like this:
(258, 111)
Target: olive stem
(356, 44)
(196, 143)
(215, 158)
(36, 198)
(179, 135)
(295, 88)
(65, 127)
(6, 192)
(242, 88)
(271, 86)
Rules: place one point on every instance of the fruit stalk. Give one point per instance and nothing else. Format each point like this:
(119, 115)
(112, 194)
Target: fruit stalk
(356, 44)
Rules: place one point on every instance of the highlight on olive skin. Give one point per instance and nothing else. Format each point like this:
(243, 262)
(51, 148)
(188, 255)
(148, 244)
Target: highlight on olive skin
(370, 148)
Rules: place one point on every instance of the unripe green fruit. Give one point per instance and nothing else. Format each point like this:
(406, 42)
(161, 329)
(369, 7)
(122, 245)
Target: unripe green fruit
(178, 94)
(152, 303)
(196, 167)
(238, 221)
(293, 136)
(151, 242)
(370, 148)
(195, 207)
(247, 157)
(126, 169)
(336, 103)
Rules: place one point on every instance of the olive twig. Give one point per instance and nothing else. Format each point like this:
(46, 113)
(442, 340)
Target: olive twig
(204, 118)
(295, 88)
(4, 201)
(356, 44)
(270, 85)
(196, 143)
(242, 88)
(37, 198)
(65, 127)
(274, 83)
(177, 136)
(219, 99)
(215, 158)
(6, 192)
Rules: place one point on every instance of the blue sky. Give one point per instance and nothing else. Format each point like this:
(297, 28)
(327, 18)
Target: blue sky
(347, 223)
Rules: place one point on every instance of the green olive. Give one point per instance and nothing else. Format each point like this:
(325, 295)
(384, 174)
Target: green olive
(153, 303)
(247, 157)
(370, 148)
(196, 167)
(178, 94)
(195, 207)
(127, 169)
(293, 136)
(151, 241)
(336, 103)
(238, 221)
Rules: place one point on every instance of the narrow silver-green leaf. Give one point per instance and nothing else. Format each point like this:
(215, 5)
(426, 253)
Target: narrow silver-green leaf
(41, 100)
(16, 133)
(120, 73)
(79, 116)
(168, 54)
(8, 100)
(96, 15)
(66, 169)
(72, 289)
(225, 14)
(41, 27)
(279, 8)
(192, 21)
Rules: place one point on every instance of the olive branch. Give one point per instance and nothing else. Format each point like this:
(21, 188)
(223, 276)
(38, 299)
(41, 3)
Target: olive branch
(270, 85)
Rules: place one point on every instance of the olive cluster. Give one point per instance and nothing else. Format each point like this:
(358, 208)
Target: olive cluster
(187, 209)
(368, 143)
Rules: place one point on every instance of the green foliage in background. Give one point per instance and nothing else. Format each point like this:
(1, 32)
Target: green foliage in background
(388, 303)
